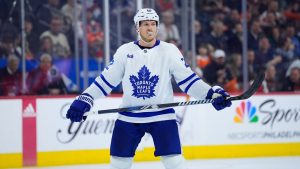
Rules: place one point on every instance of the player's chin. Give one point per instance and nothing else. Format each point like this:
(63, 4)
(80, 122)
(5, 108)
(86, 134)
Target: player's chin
(148, 39)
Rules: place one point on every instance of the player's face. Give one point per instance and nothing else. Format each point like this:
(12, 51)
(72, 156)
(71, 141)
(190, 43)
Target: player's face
(148, 30)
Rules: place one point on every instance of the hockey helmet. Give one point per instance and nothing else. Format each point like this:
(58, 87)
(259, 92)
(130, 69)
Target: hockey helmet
(146, 14)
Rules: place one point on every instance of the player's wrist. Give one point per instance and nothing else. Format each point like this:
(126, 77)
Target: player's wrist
(86, 98)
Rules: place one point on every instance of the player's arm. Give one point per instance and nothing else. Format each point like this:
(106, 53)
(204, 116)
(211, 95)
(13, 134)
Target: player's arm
(193, 85)
(101, 87)
(110, 77)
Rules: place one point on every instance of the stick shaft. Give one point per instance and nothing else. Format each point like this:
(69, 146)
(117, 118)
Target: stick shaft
(253, 88)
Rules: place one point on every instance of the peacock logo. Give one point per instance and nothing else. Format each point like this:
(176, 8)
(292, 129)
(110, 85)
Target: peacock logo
(246, 111)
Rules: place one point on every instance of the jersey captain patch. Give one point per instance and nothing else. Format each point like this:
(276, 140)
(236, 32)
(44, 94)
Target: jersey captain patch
(143, 85)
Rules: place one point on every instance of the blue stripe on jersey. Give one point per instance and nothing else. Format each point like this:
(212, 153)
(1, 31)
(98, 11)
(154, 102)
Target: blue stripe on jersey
(148, 114)
(190, 84)
(187, 79)
(106, 82)
(209, 94)
(100, 87)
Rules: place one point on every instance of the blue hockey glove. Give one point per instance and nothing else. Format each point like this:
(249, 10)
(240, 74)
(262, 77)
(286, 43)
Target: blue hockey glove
(80, 105)
(219, 96)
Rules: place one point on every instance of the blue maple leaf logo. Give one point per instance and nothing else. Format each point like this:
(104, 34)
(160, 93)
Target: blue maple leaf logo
(143, 85)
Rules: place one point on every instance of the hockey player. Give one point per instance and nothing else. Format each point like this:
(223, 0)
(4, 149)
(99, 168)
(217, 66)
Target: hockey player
(145, 68)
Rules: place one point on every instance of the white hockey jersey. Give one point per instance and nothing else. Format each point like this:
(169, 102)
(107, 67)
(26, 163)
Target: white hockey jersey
(146, 79)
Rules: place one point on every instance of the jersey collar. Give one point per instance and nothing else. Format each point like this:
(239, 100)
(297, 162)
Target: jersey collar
(143, 47)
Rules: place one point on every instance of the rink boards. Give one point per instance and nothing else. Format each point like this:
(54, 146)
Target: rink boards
(34, 131)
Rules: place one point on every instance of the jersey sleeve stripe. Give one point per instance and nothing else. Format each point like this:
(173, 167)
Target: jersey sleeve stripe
(210, 92)
(106, 82)
(187, 79)
(190, 84)
(100, 87)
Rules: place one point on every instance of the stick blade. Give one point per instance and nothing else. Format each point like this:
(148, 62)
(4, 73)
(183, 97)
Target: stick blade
(253, 88)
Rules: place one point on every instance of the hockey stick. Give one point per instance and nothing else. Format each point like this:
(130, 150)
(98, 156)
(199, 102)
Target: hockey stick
(252, 89)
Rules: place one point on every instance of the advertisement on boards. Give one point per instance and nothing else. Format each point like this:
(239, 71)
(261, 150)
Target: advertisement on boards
(260, 119)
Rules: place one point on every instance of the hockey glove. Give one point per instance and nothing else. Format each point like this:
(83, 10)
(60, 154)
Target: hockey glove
(80, 105)
(219, 96)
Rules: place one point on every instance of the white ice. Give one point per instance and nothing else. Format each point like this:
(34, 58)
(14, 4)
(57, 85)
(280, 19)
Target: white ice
(237, 163)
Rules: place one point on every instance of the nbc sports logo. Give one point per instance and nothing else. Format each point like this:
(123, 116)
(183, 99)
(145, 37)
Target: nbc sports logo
(246, 111)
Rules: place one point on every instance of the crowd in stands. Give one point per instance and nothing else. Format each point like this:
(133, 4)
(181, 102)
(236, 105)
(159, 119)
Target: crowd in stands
(273, 40)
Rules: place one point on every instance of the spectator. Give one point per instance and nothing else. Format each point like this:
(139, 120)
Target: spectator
(251, 65)
(254, 34)
(274, 10)
(235, 39)
(216, 73)
(8, 40)
(275, 37)
(271, 82)
(265, 54)
(68, 10)
(46, 79)
(46, 46)
(199, 33)
(31, 37)
(286, 50)
(268, 23)
(291, 33)
(232, 19)
(60, 46)
(7, 46)
(234, 65)
(216, 37)
(167, 29)
(203, 57)
(46, 13)
(204, 13)
(202, 60)
(95, 36)
(11, 78)
(292, 82)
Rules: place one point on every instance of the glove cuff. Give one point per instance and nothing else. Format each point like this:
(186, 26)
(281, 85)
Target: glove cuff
(86, 98)
(214, 92)
(216, 88)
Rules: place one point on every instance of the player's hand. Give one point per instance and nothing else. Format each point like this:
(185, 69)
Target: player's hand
(220, 97)
(80, 105)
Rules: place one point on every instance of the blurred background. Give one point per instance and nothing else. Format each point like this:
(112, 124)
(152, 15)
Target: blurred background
(227, 42)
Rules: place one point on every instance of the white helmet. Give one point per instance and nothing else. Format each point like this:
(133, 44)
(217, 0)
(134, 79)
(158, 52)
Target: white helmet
(145, 14)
